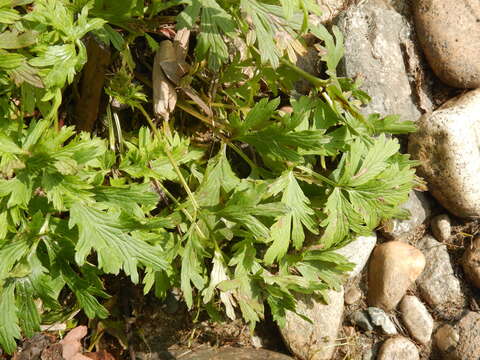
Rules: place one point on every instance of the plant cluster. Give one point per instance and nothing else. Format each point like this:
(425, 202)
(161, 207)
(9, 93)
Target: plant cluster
(222, 181)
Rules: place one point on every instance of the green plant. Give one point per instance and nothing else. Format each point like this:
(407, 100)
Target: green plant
(225, 219)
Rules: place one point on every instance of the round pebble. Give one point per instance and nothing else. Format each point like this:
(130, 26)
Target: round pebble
(398, 348)
(441, 227)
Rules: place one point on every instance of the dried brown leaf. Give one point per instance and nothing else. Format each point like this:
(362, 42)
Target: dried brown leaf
(181, 43)
(168, 69)
(71, 344)
(192, 94)
(164, 93)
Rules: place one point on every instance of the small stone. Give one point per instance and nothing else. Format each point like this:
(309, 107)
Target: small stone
(420, 208)
(461, 341)
(358, 252)
(398, 348)
(471, 262)
(361, 319)
(417, 319)
(393, 268)
(352, 295)
(447, 338)
(441, 227)
(256, 341)
(316, 340)
(447, 146)
(449, 33)
(381, 319)
(438, 285)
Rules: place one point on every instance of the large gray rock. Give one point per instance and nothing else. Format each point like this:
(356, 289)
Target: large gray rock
(438, 285)
(398, 348)
(393, 268)
(462, 340)
(316, 340)
(449, 32)
(417, 319)
(420, 209)
(373, 51)
(358, 252)
(447, 145)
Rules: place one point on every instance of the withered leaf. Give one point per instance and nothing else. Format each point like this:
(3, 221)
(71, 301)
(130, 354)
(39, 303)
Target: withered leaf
(164, 93)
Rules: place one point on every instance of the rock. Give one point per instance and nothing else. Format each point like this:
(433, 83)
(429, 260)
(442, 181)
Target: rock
(380, 319)
(358, 252)
(361, 319)
(446, 144)
(374, 36)
(398, 348)
(256, 341)
(420, 208)
(441, 227)
(316, 340)
(438, 285)
(461, 341)
(223, 353)
(417, 319)
(352, 295)
(471, 262)
(449, 33)
(394, 266)
(447, 338)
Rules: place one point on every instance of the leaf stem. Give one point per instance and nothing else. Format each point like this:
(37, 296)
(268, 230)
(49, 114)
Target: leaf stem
(307, 76)
(242, 155)
(221, 105)
(170, 158)
(160, 186)
(185, 107)
(317, 175)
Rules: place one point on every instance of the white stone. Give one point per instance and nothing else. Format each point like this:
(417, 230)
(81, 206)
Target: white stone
(358, 252)
(447, 144)
(316, 340)
(417, 319)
